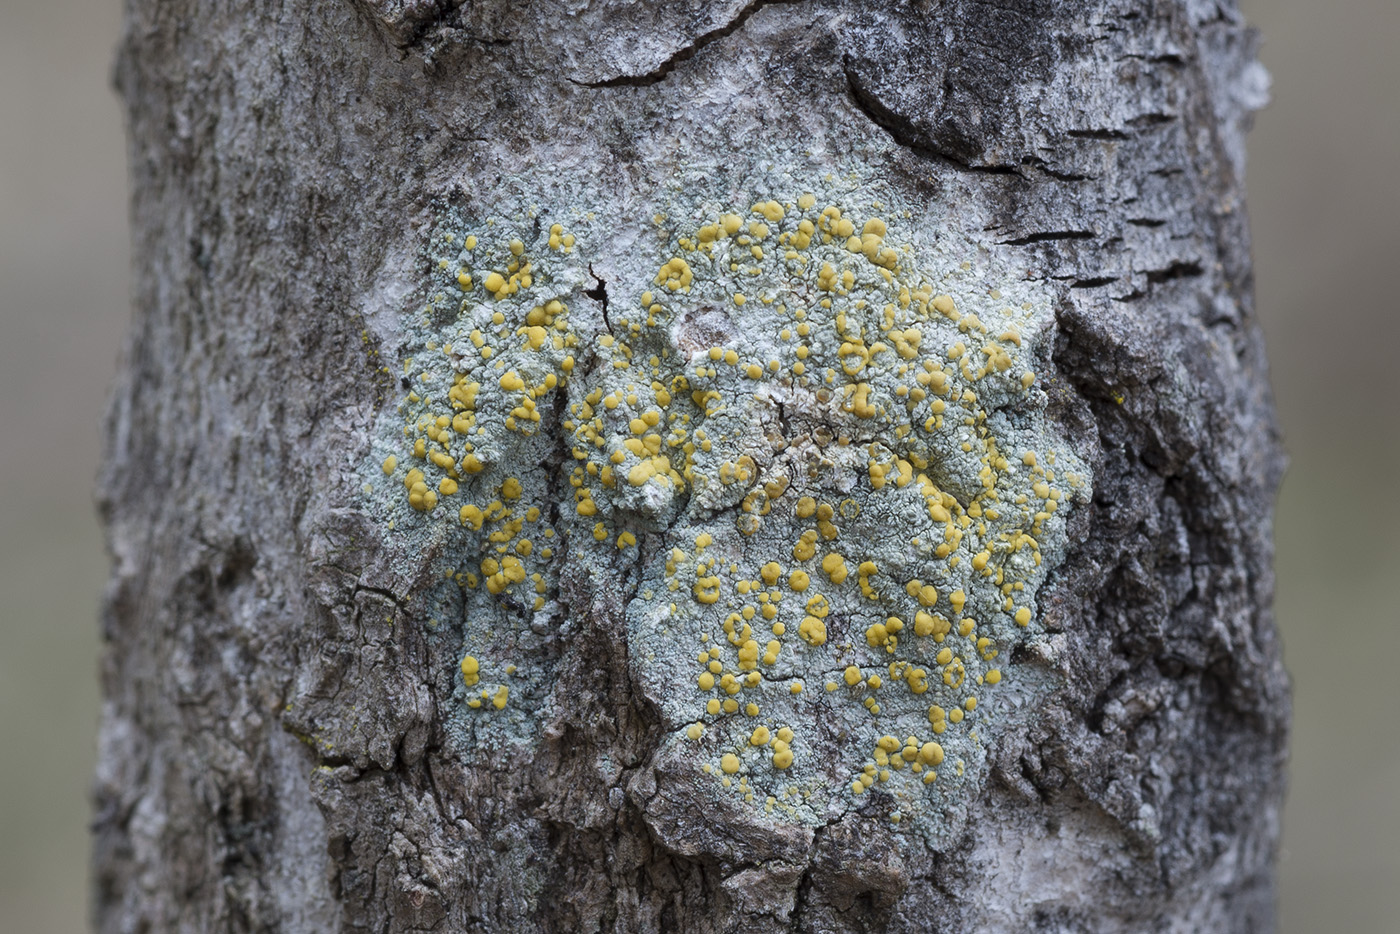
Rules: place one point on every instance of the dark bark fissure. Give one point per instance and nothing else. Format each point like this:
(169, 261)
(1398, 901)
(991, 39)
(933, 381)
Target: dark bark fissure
(903, 133)
(687, 52)
(1050, 235)
(599, 293)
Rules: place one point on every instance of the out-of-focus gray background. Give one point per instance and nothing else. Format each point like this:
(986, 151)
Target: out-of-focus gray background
(1324, 190)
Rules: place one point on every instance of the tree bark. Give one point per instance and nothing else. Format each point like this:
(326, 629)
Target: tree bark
(734, 466)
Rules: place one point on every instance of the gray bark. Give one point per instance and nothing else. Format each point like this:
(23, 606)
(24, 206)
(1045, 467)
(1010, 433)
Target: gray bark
(288, 741)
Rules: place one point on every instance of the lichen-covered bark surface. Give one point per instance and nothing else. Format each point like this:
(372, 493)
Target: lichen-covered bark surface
(460, 579)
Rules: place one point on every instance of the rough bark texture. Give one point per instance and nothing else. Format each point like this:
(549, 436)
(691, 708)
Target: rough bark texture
(286, 742)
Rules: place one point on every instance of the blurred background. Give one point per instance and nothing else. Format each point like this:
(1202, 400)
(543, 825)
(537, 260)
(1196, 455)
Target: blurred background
(1324, 194)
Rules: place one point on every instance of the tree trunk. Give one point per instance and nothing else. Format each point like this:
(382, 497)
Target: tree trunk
(733, 466)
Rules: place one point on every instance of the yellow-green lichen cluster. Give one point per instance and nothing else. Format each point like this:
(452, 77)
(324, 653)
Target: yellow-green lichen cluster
(492, 354)
(826, 450)
(869, 496)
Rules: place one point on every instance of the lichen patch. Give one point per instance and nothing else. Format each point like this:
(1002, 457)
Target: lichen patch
(820, 444)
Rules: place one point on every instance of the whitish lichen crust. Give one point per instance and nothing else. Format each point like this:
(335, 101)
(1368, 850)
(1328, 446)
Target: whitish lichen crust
(814, 448)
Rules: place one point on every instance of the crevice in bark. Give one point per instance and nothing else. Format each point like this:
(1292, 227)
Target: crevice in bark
(389, 595)
(1050, 235)
(783, 421)
(1044, 167)
(658, 74)
(903, 132)
(599, 293)
(1104, 133)
(1177, 270)
(1148, 121)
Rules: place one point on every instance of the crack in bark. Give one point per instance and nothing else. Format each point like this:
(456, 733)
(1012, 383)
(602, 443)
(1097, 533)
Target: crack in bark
(1049, 235)
(1107, 133)
(902, 131)
(1177, 270)
(599, 293)
(1044, 166)
(1148, 121)
(398, 602)
(684, 54)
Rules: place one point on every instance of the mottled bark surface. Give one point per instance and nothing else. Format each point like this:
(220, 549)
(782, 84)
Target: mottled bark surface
(283, 744)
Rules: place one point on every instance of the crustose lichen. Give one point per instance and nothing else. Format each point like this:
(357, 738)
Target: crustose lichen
(831, 464)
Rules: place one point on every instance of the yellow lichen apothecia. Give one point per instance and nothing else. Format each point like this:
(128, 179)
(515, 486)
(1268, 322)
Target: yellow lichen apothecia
(826, 448)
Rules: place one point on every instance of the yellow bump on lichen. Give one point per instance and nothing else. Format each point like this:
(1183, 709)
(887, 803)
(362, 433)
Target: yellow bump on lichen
(470, 670)
(695, 730)
(675, 274)
(812, 631)
(851, 676)
(1023, 616)
(835, 567)
(760, 737)
(729, 763)
(993, 676)
(389, 464)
